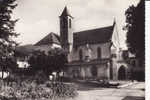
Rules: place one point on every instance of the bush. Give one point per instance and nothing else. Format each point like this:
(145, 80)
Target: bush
(28, 90)
(62, 90)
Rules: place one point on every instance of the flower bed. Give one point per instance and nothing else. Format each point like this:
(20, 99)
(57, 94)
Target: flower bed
(33, 91)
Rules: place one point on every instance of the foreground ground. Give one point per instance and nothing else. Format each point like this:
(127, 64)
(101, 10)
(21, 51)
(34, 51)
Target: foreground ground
(136, 91)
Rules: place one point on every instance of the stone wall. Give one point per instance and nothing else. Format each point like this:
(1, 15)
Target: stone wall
(85, 71)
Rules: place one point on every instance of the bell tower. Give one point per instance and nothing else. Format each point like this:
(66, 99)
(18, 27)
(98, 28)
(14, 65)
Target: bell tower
(66, 30)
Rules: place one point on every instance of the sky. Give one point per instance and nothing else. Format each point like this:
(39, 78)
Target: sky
(37, 18)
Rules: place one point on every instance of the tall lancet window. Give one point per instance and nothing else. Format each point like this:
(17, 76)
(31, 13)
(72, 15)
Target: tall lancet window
(98, 52)
(70, 23)
(80, 54)
(63, 23)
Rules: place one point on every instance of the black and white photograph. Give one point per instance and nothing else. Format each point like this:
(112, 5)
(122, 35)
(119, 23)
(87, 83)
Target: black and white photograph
(72, 50)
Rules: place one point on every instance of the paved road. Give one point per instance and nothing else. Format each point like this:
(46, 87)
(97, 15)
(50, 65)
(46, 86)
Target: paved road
(133, 92)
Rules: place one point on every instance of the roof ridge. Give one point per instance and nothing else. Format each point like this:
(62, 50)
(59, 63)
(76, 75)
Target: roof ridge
(94, 29)
(49, 37)
(54, 34)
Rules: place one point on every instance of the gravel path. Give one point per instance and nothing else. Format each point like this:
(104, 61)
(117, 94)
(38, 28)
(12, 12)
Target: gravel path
(132, 92)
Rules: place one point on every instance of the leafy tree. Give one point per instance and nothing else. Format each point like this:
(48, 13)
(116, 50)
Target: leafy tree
(55, 60)
(7, 33)
(135, 19)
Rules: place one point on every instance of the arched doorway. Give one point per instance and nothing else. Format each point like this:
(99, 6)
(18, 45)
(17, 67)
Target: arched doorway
(122, 73)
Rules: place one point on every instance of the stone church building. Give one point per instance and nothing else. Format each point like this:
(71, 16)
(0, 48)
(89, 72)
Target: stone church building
(92, 54)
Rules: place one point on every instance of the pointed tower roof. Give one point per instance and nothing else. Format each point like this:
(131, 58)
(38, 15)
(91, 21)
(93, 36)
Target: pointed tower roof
(65, 12)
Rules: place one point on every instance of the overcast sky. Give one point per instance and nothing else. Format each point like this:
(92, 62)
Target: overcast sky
(40, 17)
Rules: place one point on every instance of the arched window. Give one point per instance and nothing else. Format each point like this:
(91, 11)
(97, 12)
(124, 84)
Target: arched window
(70, 23)
(98, 52)
(80, 54)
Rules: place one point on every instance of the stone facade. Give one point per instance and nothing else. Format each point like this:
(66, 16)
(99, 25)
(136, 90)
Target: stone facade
(91, 51)
(95, 67)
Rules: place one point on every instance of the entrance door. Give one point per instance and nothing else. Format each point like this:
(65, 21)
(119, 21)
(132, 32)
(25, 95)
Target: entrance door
(122, 73)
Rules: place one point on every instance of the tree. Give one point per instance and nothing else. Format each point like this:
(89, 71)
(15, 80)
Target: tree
(55, 60)
(135, 18)
(7, 33)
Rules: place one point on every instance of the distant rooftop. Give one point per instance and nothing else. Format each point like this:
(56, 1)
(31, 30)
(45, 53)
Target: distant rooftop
(49, 39)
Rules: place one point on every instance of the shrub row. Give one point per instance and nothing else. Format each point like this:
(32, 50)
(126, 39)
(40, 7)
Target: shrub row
(33, 91)
(63, 90)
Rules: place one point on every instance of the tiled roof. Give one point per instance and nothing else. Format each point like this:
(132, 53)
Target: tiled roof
(99, 35)
(49, 39)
